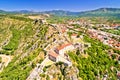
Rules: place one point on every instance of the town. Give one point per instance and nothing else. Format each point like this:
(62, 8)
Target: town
(56, 51)
(59, 40)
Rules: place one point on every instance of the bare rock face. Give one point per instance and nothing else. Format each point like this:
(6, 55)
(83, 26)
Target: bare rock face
(61, 72)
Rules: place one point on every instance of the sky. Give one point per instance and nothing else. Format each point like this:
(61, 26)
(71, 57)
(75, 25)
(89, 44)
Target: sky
(68, 5)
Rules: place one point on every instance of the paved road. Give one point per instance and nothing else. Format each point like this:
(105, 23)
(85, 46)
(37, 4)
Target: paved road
(37, 70)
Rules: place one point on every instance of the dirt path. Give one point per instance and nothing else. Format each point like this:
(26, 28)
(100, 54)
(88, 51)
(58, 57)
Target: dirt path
(6, 59)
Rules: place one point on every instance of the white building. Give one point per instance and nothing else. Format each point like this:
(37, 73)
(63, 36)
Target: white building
(64, 48)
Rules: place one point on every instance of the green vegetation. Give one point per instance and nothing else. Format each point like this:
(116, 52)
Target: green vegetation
(14, 41)
(98, 62)
(27, 41)
(60, 19)
(19, 70)
(27, 31)
(20, 18)
(117, 32)
(22, 31)
(76, 25)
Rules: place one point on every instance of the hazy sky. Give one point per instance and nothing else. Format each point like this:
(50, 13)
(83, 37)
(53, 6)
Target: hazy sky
(71, 5)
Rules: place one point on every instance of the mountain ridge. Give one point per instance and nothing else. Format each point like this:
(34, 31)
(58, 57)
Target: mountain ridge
(96, 12)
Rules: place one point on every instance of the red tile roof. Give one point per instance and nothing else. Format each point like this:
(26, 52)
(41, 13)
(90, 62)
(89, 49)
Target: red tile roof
(63, 46)
(111, 41)
(118, 44)
(52, 53)
(64, 30)
(74, 34)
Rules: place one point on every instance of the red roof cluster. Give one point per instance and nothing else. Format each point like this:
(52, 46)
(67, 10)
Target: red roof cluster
(63, 46)
(101, 37)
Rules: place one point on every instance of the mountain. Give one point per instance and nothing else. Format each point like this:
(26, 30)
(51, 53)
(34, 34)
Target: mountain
(53, 12)
(17, 12)
(101, 12)
(62, 13)
(2, 12)
(23, 12)
(106, 10)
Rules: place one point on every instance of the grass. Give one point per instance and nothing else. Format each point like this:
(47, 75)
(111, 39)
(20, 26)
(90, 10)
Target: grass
(14, 41)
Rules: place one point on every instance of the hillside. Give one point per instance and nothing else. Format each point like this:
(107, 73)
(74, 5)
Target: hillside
(102, 12)
(47, 48)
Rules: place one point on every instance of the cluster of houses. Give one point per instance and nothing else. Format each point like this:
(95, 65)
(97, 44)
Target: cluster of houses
(100, 35)
(112, 26)
(105, 38)
(58, 54)
(90, 24)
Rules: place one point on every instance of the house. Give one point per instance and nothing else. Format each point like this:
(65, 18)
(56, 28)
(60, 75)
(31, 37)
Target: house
(56, 50)
(55, 57)
(111, 41)
(74, 36)
(58, 54)
(64, 30)
(52, 56)
(64, 60)
(65, 47)
(118, 45)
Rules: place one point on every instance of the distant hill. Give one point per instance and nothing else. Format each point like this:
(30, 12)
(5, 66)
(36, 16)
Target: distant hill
(106, 10)
(53, 12)
(62, 13)
(101, 12)
(2, 12)
(23, 12)
(17, 12)
(97, 12)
